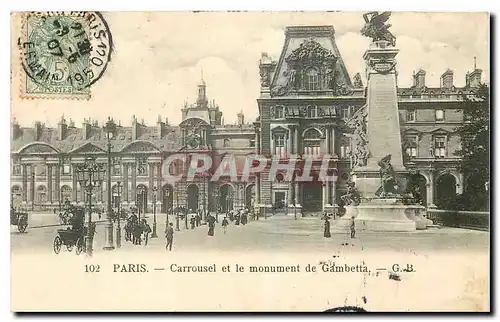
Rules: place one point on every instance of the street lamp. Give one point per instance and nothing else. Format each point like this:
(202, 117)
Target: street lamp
(177, 211)
(154, 235)
(110, 130)
(229, 199)
(119, 188)
(169, 205)
(33, 190)
(89, 175)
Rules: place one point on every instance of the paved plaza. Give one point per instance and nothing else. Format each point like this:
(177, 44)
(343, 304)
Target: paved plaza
(277, 233)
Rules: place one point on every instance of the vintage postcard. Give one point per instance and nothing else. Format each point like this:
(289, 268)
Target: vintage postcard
(250, 161)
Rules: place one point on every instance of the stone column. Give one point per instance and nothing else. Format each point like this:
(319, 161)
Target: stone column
(49, 183)
(430, 191)
(151, 182)
(83, 196)
(296, 187)
(25, 182)
(333, 193)
(296, 140)
(32, 183)
(58, 183)
(74, 191)
(327, 143)
(134, 183)
(323, 202)
(327, 192)
(125, 181)
(158, 182)
(290, 193)
(332, 140)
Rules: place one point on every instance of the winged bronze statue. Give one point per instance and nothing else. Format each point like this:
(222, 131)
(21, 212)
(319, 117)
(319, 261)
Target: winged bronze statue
(377, 28)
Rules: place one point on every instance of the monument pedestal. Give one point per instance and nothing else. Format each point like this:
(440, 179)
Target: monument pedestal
(382, 215)
(344, 223)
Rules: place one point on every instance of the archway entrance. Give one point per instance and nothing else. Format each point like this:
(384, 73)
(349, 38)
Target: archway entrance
(226, 198)
(249, 196)
(192, 198)
(312, 197)
(167, 197)
(142, 198)
(445, 191)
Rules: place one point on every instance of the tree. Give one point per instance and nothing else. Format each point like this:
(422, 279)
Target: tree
(475, 148)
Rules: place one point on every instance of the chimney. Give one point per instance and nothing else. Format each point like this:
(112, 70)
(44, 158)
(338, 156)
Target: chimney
(419, 79)
(241, 118)
(447, 79)
(473, 79)
(16, 129)
(86, 127)
(62, 127)
(38, 130)
(160, 127)
(135, 128)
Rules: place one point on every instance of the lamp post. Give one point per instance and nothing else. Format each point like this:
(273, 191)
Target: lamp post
(177, 211)
(154, 235)
(110, 130)
(169, 206)
(229, 200)
(89, 175)
(119, 187)
(33, 190)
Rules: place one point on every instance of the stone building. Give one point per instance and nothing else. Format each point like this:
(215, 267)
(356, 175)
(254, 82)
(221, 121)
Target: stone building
(307, 103)
(43, 161)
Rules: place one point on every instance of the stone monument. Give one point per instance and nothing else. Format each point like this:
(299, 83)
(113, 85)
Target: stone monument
(378, 170)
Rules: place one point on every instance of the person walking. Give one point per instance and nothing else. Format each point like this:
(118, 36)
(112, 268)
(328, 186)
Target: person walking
(327, 233)
(211, 225)
(146, 230)
(169, 236)
(225, 223)
(353, 228)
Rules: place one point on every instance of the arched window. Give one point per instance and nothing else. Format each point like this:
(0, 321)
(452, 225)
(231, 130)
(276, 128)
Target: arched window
(312, 142)
(312, 79)
(312, 111)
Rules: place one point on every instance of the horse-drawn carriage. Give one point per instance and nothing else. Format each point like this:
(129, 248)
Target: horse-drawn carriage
(74, 236)
(19, 219)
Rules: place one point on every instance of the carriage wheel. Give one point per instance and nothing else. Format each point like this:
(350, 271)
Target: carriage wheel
(22, 227)
(57, 244)
(79, 246)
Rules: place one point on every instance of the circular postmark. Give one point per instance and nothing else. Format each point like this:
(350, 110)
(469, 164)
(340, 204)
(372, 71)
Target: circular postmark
(65, 52)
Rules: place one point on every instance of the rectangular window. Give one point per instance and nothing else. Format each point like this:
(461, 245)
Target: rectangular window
(66, 169)
(345, 112)
(345, 151)
(411, 115)
(117, 169)
(412, 146)
(440, 147)
(312, 148)
(16, 170)
(439, 115)
(252, 143)
(279, 112)
(279, 145)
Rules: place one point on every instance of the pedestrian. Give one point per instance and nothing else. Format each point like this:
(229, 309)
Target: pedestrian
(146, 229)
(353, 228)
(137, 232)
(225, 223)
(326, 233)
(197, 219)
(237, 219)
(211, 225)
(169, 236)
(192, 221)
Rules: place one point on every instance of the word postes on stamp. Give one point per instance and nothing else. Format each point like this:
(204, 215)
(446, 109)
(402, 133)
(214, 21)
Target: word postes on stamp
(63, 53)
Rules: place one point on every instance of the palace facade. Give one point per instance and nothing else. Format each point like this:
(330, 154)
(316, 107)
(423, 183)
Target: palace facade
(307, 102)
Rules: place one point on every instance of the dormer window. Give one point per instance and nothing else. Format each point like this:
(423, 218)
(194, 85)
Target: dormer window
(279, 112)
(312, 77)
(312, 111)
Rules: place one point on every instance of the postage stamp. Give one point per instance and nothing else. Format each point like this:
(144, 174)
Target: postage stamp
(62, 54)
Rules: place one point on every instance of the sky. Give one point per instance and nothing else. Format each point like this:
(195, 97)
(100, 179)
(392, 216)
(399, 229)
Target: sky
(159, 57)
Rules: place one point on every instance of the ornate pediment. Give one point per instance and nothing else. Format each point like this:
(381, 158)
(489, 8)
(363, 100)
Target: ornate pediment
(38, 148)
(313, 65)
(88, 148)
(440, 131)
(140, 147)
(193, 123)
